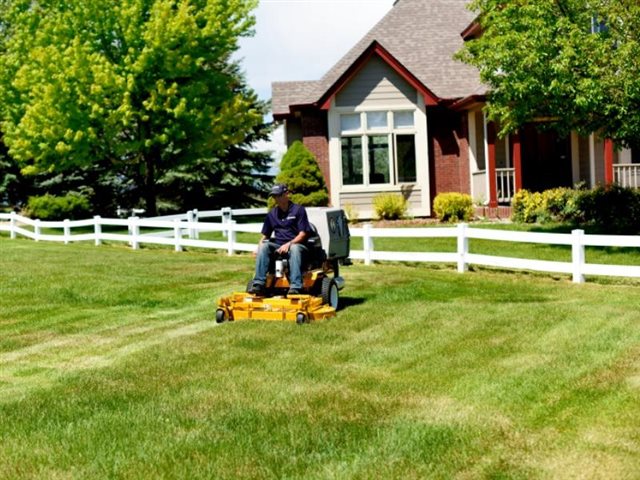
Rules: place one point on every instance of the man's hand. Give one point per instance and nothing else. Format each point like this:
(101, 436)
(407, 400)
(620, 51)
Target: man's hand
(284, 249)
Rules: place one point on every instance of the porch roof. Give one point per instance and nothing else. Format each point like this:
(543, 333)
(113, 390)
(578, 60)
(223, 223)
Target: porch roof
(422, 35)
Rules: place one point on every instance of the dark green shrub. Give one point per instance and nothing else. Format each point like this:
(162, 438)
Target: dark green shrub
(390, 206)
(300, 172)
(71, 206)
(609, 209)
(453, 207)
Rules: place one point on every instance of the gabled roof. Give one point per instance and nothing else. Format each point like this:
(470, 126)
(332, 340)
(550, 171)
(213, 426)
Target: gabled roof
(376, 49)
(420, 35)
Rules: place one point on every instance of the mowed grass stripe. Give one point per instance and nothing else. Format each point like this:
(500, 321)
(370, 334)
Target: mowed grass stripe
(425, 374)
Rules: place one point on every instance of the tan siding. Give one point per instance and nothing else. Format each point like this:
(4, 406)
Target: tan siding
(364, 200)
(376, 84)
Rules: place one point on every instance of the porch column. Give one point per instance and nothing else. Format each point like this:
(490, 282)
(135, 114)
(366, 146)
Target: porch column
(608, 161)
(517, 161)
(491, 165)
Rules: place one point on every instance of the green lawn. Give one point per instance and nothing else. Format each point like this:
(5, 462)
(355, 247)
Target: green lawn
(111, 366)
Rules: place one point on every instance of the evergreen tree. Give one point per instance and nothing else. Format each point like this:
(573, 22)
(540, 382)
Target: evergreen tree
(299, 170)
(237, 178)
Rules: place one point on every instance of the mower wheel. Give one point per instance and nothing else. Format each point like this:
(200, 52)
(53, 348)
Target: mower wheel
(329, 292)
(220, 315)
(301, 318)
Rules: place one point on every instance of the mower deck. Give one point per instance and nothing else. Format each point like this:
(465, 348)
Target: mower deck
(298, 308)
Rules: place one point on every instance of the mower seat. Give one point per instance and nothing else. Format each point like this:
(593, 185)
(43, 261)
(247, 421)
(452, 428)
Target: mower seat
(317, 256)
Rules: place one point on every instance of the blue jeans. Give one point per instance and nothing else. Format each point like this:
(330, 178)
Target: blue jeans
(267, 251)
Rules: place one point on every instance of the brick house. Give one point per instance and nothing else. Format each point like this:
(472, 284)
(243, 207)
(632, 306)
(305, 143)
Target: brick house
(398, 114)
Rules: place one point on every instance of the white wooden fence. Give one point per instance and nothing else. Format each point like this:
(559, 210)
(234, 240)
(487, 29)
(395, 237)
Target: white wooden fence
(183, 230)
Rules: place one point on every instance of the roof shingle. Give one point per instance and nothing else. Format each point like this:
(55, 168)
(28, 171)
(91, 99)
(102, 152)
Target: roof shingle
(422, 35)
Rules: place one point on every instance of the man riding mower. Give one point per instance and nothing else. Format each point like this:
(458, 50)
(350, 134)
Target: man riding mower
(297, 266)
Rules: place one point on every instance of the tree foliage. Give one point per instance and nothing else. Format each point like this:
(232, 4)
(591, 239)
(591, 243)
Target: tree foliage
(238, 177)
(145, 84)
(573, 63)
(299, 170)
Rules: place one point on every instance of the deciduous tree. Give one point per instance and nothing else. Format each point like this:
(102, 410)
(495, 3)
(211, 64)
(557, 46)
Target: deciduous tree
(573, 63)
(150, 84)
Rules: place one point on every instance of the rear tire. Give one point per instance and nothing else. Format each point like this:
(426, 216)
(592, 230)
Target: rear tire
(329, 292)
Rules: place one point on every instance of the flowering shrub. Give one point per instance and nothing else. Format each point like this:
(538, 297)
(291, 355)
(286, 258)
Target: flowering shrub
(453, 207)
(390, 206)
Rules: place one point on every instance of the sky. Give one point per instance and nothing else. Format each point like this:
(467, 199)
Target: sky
(302, 40)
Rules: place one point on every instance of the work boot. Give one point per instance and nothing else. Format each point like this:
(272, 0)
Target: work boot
(256, 289)
(294, 291)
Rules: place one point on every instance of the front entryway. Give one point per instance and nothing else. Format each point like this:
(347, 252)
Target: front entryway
(546, 159)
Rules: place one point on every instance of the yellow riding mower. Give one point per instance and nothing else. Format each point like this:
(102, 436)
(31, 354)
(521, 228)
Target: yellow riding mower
(321, 281)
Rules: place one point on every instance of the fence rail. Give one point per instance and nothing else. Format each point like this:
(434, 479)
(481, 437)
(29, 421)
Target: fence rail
(182, 231)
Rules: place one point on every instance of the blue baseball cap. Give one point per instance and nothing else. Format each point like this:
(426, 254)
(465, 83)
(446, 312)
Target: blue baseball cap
(278, 190)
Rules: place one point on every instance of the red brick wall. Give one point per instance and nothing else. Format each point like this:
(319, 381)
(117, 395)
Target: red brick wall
(449, 151)
(315, 137)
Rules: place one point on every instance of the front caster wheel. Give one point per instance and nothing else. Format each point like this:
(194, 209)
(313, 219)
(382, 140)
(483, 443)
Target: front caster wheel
(221, 315)
(301, 318)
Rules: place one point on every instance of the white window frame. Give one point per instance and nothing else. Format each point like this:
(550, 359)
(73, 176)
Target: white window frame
(390, 131)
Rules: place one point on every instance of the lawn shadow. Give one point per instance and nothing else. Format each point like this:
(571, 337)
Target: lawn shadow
(349, 302)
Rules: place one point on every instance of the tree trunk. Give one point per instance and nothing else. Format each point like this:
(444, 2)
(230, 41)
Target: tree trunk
(150, 185)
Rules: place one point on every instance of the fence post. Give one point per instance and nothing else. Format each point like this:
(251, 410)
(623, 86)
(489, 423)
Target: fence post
(463, 247)
(67, 231)
(37, 229)
(134, 232)
(196, 232)
(177, 235)
(226, 218)
(12, 225)
(97, 230)
(191, 215)
(367, 243)
(231, 236)
(577, 255)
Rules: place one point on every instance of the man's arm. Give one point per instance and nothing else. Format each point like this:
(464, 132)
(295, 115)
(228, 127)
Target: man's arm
(262, 239)
(301, 237)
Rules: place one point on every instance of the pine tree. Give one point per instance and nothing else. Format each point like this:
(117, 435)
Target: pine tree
(299, 170)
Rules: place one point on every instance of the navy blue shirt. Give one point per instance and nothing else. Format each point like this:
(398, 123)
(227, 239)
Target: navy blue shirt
(286, 225)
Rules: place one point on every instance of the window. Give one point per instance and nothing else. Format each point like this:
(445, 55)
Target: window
(378, 148)
(351, 161)
(406, 148)
(376, 120)
(598, 25)
(379, 159)
(350, 123)
(403, 119)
